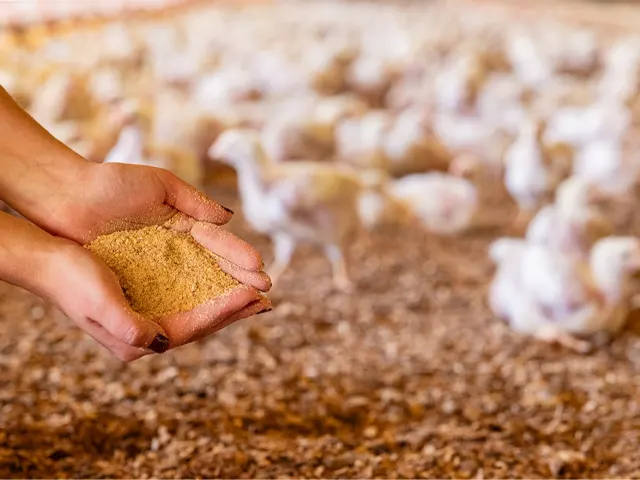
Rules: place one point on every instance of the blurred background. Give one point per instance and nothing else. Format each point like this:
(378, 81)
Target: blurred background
(445, 195)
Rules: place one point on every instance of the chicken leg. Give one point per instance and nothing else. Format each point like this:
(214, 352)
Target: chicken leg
(283, 248)
(551, 334)
(341, 279)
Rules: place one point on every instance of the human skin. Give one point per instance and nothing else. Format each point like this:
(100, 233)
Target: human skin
(67, 201)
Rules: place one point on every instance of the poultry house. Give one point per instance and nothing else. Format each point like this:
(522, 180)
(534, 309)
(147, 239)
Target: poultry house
(427, 123)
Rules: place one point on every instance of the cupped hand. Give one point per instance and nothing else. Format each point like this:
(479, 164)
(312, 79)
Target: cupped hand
(109, 197)
(88, 292)
(112, 197)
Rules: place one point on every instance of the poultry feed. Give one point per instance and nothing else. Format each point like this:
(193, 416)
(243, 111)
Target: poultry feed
(555, 297)
(300, 202)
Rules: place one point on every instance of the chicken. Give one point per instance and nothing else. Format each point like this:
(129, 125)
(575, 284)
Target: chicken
(531, 175)
(458, 83)
(620, 81)
(608, 165)
(229, 84)
(506, 253)
(64, 96)
(444, 203)
(577, 126)
(360, 141)
(555, 297)
(571, 225)
(305, 128)
(292, 203)
(474, 135)
(371, 77)
(400, 145)
(132, 148)
(410, 146)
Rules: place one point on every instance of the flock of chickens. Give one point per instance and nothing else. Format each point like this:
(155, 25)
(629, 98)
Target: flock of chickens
(342, 115)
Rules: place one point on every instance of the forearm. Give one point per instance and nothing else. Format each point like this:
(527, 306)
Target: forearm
(34, 166)
(26, 254)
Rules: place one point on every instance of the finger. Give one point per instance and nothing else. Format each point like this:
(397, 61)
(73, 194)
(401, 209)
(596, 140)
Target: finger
(258, 280)
(227, 245)
(188, 199)
(121, 350)
(128, 326)
(185, 327)
(254, 308)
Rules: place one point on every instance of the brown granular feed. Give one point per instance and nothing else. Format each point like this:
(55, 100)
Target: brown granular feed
(161, 271)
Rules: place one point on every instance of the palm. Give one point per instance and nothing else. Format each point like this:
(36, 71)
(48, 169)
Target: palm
(117, 197)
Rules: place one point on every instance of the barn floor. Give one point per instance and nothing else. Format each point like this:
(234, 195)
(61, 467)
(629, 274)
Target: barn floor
(410, 378)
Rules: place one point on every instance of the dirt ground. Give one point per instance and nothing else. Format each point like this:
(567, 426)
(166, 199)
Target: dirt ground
(412, 377)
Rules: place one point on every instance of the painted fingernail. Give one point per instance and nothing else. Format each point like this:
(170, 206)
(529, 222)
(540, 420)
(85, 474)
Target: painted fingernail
(264, 311)
(227, 209)
(160, 344)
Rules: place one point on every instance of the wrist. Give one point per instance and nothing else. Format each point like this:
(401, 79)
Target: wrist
(37, 186)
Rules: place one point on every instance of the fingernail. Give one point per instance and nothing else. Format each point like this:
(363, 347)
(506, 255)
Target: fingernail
(264, 311)
(228, 209)
(160, 344)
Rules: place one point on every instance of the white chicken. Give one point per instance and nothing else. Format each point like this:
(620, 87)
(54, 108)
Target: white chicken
(444, 203)
(571, 225)
(545, 293)
(300, 202)
(531, 175)
(132, 148)
(400, 145)
(458, 84)
(608, 165)
(602, 120)
(304, 128)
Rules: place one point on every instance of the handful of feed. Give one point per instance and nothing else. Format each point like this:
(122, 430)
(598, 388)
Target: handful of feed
(161, 271)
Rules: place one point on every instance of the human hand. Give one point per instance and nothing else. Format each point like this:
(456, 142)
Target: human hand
(88, 292)
(106, 198)
(91, 296)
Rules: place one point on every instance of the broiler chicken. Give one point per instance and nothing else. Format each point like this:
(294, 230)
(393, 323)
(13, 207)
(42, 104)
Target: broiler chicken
(555, 297)
(531, 174)
(572, 224)
(133, 148)
(300, 202)
(64, 96)
(444, 203)
(304, 128)
(458, 83)
(371, 77)
(400, 145)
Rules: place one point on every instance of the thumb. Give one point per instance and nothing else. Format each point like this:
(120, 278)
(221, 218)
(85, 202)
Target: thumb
(132, 328)
(189, 200)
